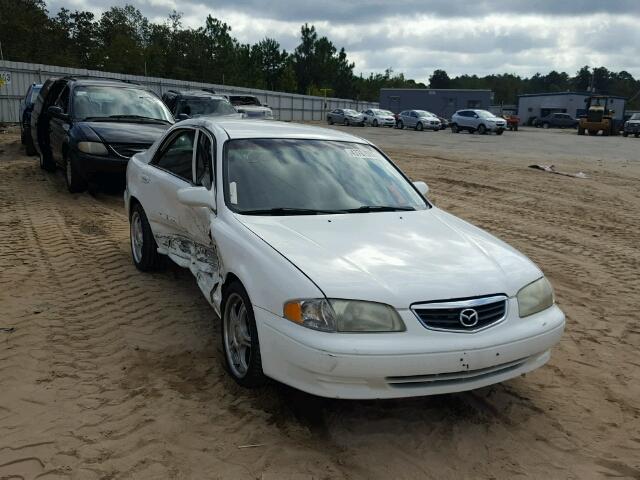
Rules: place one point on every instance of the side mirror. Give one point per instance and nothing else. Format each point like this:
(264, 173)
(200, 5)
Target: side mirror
(55, 111)
(182, 116)
(422, 187)
(196, 197)
(475, 115)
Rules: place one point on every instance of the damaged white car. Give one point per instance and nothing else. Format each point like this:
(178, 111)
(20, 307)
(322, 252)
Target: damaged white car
(330, 270)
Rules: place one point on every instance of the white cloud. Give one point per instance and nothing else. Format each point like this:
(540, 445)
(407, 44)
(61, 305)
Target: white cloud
(416, 37)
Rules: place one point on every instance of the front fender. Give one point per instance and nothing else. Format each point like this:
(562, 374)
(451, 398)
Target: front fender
(268, 277)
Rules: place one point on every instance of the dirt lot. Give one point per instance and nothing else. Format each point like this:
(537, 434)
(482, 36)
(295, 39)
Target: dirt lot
(113, 374)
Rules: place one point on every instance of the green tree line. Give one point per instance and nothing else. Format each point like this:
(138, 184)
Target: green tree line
(123, 40)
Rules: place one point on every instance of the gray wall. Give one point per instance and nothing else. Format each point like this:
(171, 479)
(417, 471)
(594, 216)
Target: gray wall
(286, 106)
(572, 103)
(442, 102)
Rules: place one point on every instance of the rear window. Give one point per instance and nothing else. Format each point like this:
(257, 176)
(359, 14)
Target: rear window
(244, 100)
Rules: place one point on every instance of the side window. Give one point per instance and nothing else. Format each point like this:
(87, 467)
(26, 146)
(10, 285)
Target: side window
(177, 156)
(63, 100)
(204, 161)
(414, 114)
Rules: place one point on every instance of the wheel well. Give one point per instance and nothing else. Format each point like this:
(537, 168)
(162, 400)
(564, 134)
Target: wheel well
(133, 201)
(229, 279)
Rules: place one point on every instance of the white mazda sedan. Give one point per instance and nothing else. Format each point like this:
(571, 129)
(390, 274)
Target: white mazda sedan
(330, 270)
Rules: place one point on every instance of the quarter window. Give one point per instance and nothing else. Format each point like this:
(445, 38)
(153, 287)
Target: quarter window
(204, 162)
(177, 157)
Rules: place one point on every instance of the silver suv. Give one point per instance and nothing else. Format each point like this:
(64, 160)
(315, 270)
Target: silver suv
(419, 120)
(481, 121)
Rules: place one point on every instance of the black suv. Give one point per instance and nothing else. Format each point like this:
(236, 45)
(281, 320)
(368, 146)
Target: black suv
(26, 107)
(91, 127)
(194, 103)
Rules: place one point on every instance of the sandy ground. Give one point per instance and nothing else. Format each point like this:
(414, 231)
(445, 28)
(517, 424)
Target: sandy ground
(114, 374)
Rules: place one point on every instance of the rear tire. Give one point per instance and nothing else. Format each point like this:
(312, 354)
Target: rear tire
(47, 164)
(625, 134)
(76, 183)
(345, 122)
(330, 121)
(144, 249)
(240, 341)
(454, 128)
(401, 125)
(545, 125)
(580, 131)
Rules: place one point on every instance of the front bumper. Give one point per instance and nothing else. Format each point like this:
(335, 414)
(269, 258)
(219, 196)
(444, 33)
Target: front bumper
(412, 363)
(497, 127)
(92, 165)
(633, 128)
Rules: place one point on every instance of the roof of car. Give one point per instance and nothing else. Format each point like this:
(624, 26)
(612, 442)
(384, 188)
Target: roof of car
(245, 128)
(102, 81)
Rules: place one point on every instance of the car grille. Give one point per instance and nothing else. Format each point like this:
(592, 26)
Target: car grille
(458, 315)
(127, 150)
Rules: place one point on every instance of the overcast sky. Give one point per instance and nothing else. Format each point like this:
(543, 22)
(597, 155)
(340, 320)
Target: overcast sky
(416, 37)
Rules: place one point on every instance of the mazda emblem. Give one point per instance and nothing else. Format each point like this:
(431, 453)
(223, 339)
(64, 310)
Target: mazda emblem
(469, 317)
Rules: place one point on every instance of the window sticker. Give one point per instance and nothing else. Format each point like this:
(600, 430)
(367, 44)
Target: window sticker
(357, 153)
(233, 193)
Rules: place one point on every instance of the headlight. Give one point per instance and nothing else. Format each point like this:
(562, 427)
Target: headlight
(535, 297)
(92, 148)
(334, 315)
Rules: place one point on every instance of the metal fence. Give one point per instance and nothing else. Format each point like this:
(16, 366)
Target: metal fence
(15, 78)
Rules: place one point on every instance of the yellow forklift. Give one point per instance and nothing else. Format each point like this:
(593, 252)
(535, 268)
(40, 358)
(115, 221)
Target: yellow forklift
(599, 117)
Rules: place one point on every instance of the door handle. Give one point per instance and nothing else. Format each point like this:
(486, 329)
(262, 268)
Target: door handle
(145, 179)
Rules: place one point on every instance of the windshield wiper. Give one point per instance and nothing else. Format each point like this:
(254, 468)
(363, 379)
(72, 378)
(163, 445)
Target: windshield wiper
(378, 208)
(128, 117)
(288, 211)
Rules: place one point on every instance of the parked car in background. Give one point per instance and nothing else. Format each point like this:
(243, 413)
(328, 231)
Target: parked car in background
(350, 285)
(379, 118)
(185, 104)
(419, 120)
(91, 127)
(26, 107)
(250, 105)
(481, 121)
(632, 126)
(556, 120)
(345, 116)
(444, 123)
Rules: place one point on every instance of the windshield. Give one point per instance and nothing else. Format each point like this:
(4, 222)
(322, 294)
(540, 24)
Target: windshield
(244, 100)
(333, 177)
(424, 113)
(382, 112)
(107, 101)
(351, 112)
(484, 114)
(635, 116)
(205, 106)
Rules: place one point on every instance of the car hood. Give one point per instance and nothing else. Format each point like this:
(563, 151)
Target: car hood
(125, 132)
(397, 258)
(252, 108)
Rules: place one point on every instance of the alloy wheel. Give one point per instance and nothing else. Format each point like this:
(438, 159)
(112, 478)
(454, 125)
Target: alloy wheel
(237, 335)
(137, 236)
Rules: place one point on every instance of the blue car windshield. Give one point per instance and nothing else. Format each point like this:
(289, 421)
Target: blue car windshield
(110, 101)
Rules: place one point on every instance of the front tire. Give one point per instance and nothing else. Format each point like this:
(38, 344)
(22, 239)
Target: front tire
(499, 132)
(144, 249)
(330, 121)
(625, 134)
(375, 122)
(240, 338)
(75, 182)
(419, 126)
(482, 130)
(545, 125)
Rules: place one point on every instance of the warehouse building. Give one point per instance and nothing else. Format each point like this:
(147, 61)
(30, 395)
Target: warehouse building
(442, 102)
(536, 105)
